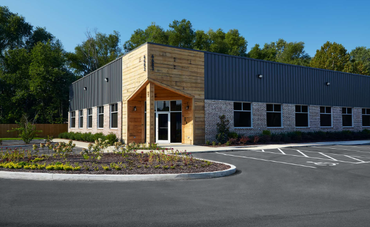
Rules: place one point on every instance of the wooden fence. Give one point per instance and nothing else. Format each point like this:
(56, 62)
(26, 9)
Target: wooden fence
(47, 129)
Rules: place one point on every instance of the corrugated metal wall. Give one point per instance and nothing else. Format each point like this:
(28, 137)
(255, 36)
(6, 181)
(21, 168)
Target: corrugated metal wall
(235, 78)
(98, 91)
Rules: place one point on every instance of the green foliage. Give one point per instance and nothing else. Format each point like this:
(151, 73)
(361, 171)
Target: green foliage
(34, 79)
(97, 50)
(182, 34)
(207, 142)
(281, 51)
(88, 137)
(266, 132)
(232, 135)
(27, 130)
(331, 56)
(361, 54)
(222, 129)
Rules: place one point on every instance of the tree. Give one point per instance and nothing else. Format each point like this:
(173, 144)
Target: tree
(153, 33)
(98, 50)
(361, 54)
(181, 34)
(282, 51)
(356, 67)
(14, 30)
(237, 44)
(331, 56)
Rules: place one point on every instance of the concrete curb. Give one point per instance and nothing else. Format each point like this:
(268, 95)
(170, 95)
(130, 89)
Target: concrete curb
(116, 177)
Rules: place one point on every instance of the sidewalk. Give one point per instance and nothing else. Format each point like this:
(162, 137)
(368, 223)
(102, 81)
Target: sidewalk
(205, 149)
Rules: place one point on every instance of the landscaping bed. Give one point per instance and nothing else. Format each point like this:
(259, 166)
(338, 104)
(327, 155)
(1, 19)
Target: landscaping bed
(60, 158)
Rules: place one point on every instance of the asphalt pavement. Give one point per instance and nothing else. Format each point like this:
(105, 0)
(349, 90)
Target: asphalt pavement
(270, 188)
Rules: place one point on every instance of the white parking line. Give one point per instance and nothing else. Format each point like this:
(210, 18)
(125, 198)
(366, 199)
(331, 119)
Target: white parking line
(328, 156)
(281, 151)
(341, 149)
(263, 150)
(302, 153)
(266, 160)
(355, 158)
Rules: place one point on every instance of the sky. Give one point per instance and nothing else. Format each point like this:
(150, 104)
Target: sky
(312, 22)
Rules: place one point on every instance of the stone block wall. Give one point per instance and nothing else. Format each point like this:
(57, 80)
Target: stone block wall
(94, 129)
(216, 108)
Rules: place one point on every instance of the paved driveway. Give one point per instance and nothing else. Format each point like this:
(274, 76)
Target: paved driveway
(271, 188)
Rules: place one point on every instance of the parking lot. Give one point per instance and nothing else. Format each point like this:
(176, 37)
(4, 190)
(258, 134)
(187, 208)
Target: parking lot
(308, 157)
(290, 187)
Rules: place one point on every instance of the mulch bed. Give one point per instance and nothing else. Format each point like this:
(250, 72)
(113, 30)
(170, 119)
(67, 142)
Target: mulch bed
(197, 166)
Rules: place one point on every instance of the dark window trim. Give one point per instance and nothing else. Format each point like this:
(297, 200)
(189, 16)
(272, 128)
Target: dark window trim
(308, 115)
(331, 116)
(89, 114)
(100, 113)
(274, 111)
(248, 111)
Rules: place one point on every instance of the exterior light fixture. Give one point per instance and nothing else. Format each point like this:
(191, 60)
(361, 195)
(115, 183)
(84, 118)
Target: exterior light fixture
(106, 79)
(260, 76)
(85, 88)
(187, 106)
(135, 108)
(327, 83)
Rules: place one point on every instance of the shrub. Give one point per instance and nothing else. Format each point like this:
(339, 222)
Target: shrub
(27, 130)
(256, 139)
(276, 137)
(213, 143)
(232, 141)
(244, 139)
(296, 136)
(222, 129)
(207, 142)
(266, 133)
(232, 135)
(112, 138)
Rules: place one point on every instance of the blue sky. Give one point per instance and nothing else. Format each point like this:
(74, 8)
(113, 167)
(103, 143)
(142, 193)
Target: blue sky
(313, 22)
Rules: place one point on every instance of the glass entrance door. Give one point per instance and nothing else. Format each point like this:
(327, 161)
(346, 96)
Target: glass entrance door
(163, 127)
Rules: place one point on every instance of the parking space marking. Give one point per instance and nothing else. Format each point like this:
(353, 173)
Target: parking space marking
(281, 151)
(328, 156)
(267, 160)
(355, 158)
(302, 153)
(364, 152)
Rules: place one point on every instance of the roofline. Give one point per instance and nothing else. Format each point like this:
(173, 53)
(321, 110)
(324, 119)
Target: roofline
(259, 60)
(120, 57)
(208, 52)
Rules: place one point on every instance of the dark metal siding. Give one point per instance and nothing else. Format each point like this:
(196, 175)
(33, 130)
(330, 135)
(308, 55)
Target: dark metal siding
(235, 78)
(98, 91)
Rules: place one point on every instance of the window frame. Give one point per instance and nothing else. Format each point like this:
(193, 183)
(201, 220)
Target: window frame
(346, 114)
(331, 116)
(89, 114)
(100, 113)
(364, 114)
(273, 111)
(111, 113)
(244, 111)
(73, 116)
(308, 116)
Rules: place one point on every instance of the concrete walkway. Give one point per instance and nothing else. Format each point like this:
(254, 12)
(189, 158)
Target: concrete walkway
(204, 149)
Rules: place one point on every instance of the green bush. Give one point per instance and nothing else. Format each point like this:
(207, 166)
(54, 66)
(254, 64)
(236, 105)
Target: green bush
(88, 137)
(266, 133)
(232, 135)
(112, 138)
(222, 129)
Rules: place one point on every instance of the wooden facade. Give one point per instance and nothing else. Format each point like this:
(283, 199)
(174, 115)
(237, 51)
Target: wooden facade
(153, 73)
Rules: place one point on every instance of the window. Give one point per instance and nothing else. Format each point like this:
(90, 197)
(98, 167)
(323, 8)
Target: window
(273, 115)
(242, 114)
(101, 117)
(73, 119)
(365, 117)
(89, 118)
(301, 116)
(346, 117)
(81, 119)
(113, 115)
(325, 116)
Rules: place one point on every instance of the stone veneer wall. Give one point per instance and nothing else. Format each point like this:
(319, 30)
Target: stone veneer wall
(215, 108)
(94, 129)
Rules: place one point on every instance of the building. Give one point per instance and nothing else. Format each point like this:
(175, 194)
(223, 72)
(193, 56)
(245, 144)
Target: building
(164, 94)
